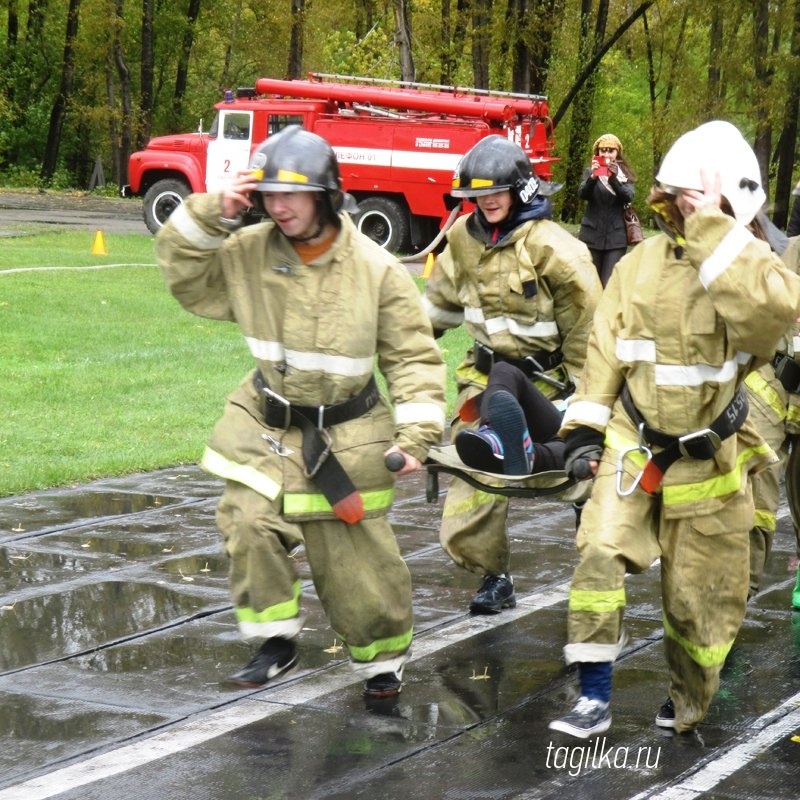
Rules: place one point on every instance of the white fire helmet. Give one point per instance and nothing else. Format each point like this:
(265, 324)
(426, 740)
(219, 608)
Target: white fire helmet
(716, 147)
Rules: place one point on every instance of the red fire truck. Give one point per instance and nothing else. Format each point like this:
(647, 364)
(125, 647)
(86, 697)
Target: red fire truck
(397, 145)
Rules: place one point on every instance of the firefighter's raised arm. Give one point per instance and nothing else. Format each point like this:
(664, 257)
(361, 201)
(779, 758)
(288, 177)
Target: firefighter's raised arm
(237, 196)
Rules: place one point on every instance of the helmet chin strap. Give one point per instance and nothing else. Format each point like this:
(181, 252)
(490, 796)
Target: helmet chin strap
(310, 237)
(325, 215)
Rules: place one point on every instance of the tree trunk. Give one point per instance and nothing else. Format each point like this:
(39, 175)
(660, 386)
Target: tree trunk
(763, 81)
(788, 142)
(542, 27)
(583, 109)
(714, 86)
(518, 16)
(61, 103)
(12, 36)
(402, 27)
(181, 78)
(146, 76)
(126, 124)
(481, 42)
(586, 73)
(294, 68)
(446, 65)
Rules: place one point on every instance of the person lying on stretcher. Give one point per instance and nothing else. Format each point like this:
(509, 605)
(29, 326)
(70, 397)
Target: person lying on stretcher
(518, 432)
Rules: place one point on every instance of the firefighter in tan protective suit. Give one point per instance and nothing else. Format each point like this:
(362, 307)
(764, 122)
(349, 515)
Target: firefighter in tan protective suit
(774, 395)
(526, 290)
(661, 418)
(302, 441)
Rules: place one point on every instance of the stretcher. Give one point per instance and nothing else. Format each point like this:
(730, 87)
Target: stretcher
(555, 483)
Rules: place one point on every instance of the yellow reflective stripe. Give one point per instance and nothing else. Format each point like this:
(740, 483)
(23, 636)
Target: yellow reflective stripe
(619, 443)
(223, 467)
(720, 486)
(276, 613)
(766, 520)
(469, 504)
(394, 644)
(793, 414)
(287, 176)
(704, 656)
(598, 602)
(471, 375)
(299, 503)
(761, 388)
(681, 493)
(481, 183)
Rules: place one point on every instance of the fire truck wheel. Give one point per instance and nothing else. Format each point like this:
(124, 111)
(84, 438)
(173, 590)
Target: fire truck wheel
(386, 222)
(160, 200)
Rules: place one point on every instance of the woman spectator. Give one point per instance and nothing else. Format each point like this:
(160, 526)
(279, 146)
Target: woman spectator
(607, 186)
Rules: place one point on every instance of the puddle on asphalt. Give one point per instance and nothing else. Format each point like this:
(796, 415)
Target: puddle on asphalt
(54, 625)
(27, 515)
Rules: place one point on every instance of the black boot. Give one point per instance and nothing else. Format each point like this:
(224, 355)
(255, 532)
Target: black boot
(275, 657)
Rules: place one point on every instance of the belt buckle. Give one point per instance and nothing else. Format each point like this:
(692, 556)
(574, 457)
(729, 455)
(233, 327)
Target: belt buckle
(274, 397)
(537, 367)
(705, 433)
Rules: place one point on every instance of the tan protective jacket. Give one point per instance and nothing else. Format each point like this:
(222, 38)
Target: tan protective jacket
(536, 292)
(316, 333)
(683, 330)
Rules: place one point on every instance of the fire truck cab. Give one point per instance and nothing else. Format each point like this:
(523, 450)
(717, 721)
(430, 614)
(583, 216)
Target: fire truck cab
(397, 146)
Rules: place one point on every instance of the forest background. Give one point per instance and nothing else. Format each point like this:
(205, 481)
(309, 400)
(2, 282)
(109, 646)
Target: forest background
(83, 83)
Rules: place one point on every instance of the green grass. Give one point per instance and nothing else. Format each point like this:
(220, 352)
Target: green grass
(102, 372)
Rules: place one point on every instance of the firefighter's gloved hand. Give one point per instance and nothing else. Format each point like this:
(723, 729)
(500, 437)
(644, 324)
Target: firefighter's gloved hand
(582, 445)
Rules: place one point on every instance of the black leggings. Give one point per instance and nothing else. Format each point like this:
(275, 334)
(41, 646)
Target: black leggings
(605, 261)
(542, 417)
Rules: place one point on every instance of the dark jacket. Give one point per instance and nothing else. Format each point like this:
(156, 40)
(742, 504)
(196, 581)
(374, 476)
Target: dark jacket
(602, 226)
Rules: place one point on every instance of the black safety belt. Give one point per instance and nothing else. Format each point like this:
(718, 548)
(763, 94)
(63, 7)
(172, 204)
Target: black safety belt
(321, 465)
(701, 444)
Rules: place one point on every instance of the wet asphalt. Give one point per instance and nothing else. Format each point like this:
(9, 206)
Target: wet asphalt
(116, 635)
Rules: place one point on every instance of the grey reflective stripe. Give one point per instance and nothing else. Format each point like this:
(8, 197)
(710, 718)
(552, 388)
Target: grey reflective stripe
(725, 253)
(440, 317)
(588, 413)
(184, 223)
(409, 413)
(266, 350)
(496, 325)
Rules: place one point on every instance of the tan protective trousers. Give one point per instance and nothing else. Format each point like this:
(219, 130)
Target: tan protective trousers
(360, 576)
(704, 582)
(473, 530)
(768, 410)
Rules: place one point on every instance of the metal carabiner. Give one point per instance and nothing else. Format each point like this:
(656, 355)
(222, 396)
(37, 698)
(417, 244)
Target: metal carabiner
(277, 447)
(641, 447)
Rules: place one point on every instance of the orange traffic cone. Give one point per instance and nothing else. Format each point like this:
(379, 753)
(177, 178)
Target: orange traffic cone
(426, 273)
(99, 246)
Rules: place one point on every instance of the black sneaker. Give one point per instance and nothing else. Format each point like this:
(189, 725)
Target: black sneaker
(387, 684)
(587, 718)
(666, 715)
(508, 420)
(481, 449)
(275, 657)
(495, 594)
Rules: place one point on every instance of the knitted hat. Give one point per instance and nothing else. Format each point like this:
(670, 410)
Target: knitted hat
(607, 140)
